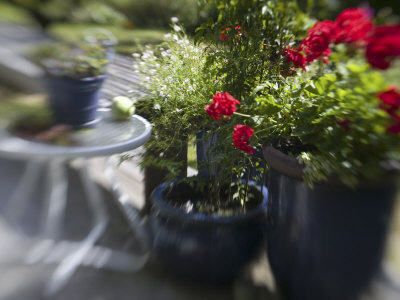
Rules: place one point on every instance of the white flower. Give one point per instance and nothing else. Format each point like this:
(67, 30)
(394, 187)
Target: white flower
(174, 20)
(136, 55)
(167, 36)
(175, 37)
(157, 106)
(177, 28)
(164, 53)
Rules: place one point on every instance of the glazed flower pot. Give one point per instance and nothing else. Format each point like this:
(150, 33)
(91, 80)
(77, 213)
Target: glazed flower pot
(325, 242)
(75, 101)
(203, 247)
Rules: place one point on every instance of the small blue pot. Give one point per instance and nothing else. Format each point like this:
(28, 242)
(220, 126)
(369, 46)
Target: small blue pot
(206, 248)
(75, 101)
(325, 242)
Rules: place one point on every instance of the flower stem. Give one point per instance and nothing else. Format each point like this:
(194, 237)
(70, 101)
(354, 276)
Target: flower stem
(243, 115)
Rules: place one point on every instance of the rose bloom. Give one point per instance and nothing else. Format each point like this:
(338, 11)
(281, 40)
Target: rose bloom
(316, 43)
(241, 136)
(295, 57)
(223, 104)
(390, 102)
(390, 97)
(353, 25)
(383, 46)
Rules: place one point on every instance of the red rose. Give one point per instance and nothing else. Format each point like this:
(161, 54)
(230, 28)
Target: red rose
(224, 34)
(223, 37)
(241, 136)
(223, 104)
(316, 43)
(390, 101)
(383, 46)
(295, 57)
(353, 25)
(390, 97)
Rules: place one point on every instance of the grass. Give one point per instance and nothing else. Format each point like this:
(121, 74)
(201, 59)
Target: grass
(129, 40)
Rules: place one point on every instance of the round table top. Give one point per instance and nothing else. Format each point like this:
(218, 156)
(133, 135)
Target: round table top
(107, 138)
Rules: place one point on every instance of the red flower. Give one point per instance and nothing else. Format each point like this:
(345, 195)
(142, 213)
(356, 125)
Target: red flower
(223, 37)
(295, 57)
(352, 25)
(316, 43)
(223, 104)
(390, 101)
(383, 46)
(238, 27)
(224, 34)
(241, 136)
(390, 97)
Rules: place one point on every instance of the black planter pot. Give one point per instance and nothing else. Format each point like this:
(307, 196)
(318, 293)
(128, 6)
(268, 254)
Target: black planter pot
(206, 248)
(75, 101)
(326, 242)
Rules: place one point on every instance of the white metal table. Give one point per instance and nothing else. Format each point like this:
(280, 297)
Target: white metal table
(108, 138)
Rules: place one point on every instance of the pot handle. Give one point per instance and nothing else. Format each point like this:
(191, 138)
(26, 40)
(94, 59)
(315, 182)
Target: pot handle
(132, 215)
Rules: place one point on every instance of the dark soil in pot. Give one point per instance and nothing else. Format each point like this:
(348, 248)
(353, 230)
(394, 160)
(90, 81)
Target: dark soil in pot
(204, 247)
(183, 195)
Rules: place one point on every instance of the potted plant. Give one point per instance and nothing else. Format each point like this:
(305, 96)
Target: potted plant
(330, 124)
(204, 227)
(74, 76)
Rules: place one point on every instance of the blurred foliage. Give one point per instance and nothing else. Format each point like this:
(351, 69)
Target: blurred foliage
(157, 13)
(329, 9)
(129, 40)
(127, 13)
(72, 60)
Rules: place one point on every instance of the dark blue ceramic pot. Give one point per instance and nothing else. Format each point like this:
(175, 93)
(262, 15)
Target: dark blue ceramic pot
(75, 101)
(326, 242)
(201, 247)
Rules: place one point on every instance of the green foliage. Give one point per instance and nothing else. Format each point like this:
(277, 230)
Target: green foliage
(308, 111)
(179, 89)
(158, 13)
(98, 13)
(247, 58)
(129, 40)
(71, 61)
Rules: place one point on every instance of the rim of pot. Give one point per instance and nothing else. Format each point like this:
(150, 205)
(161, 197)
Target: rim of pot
(290, 166)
